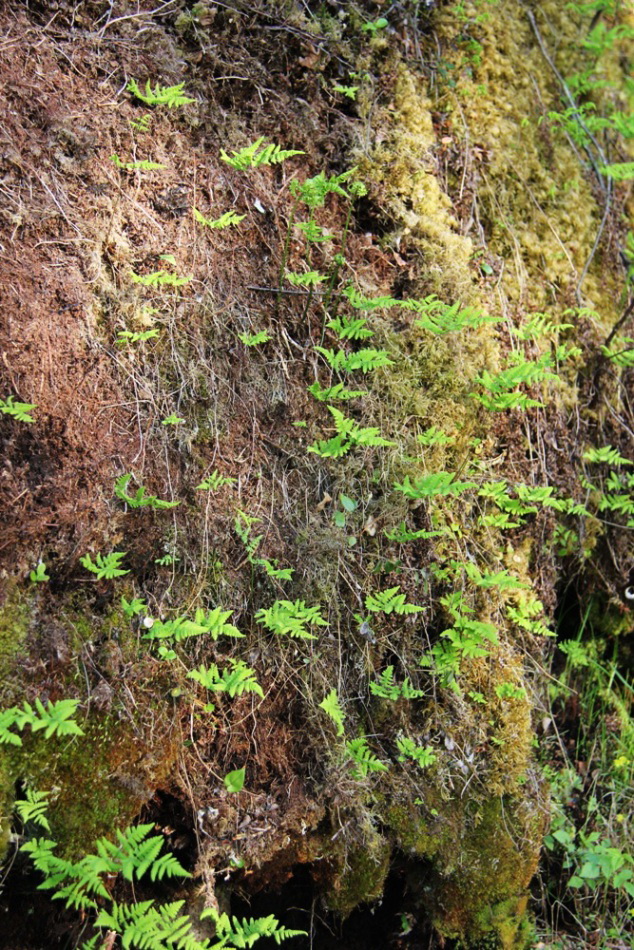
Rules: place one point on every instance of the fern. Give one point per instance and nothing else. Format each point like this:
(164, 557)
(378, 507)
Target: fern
(386, 688)
(33, 808)
(622, 351)
(214, 623)
(54, 718)
(140, 499)
(288, 618)
(402, 534)
(133, 607)
(19, 410)
(434, 436)
(501, 391)
(257, 154)
(365, 360)
(170, 96)
(331, 706)
(436, 483)
(234, 681)
(350, 433)
(311, 278)
(503, 580)
(365, 761)
(539, 325)
(254, 339)
(623, 171)
(105, 567)
(150, 927)
(313, 191)
(440, 318)
(159, 278)
(423, 757)
(225, 220)
(335, 393)
(606, 455)
(215, 481)
(272, 570)
(350, 328)
(144, 165)
(390, 601)
(313, 233)
(244, 933)
(127, 336)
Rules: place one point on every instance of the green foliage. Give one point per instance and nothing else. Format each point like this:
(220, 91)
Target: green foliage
(402, 535)
(33, 808)
(257, 154)
(386, 688)
(313, 191)
(349, 91)
(133, 607)
(390, 601)
(212, 623)
(234, 680)
(39, 575)
(19, 410)
(338, 392)
(436, 483)
(140, 499)
(105, 567)
(365, 360)
(54, 719)
(621, 353)
(373, 26)
(364, 760)
(215, 481)
(172, 420)
(435, 436)
(127, 336)
(509, 691)
(143, 166)
(606, 455)
(254, 339)
(350, 328)
(234, 781)
(288, 618)
(242, 934)
(311, 278)
(422, 756)
(330, 705)
(170, 96)
(159, 278)
(501, 388)
(440, 318)
(225, 220)
(350, 434)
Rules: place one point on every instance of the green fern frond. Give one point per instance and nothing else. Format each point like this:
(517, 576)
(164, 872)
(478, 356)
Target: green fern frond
(19, 410)
(423, 757)
(401, 534)
(225, 220)
(436, 483)
(332, 707)
(290, 618)
(390, 601)
(33, 808)
(311, 278)
(365, 761)
(106, 567)
(257, 154)
(234, 680)
(144, 165)
(365, 360)
(215, 481)
(170, 96)
(141, 498)
(606, 455)
(350, 328)
(386, 688)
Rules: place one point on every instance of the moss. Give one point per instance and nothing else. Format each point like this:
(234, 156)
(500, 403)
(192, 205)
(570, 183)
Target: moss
(15, 616)
(480, 880)
(362, 876)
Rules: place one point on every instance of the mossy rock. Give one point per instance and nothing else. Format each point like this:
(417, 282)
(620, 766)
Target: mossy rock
(361, 877)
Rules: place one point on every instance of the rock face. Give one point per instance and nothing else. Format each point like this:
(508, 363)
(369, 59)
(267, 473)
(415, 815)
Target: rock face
(350, 387)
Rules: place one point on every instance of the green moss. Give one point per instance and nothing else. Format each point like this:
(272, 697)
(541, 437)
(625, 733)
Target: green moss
(362, 876)
(15, 616)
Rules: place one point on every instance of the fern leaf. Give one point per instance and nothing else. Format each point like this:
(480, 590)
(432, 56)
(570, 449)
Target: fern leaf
(331, 706)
